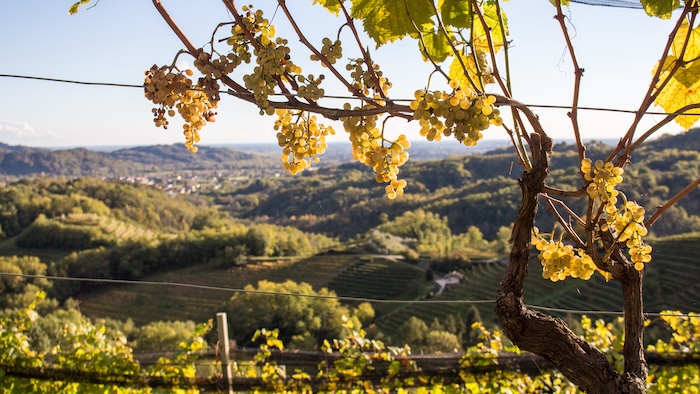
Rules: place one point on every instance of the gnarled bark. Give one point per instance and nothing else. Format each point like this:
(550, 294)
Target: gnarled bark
(550, 337)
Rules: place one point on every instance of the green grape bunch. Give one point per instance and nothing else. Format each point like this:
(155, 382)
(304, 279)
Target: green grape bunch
(368, 78)
(331, 50)
(560, 261)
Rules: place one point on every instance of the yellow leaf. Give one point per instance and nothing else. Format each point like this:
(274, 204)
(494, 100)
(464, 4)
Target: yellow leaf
(692, 50)
(493, 27)
(480, 76)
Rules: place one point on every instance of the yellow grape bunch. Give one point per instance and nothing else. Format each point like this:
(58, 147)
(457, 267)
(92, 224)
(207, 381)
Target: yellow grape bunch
(560, 261)
(625, 223)
(603, 178)
(369, 147)
(172, 91)
(301, 138)
(456, 114)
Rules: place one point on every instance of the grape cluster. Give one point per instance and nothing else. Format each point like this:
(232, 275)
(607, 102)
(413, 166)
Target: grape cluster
(309, 87)
(628, 226)
(171, 91)
(454, 114)
(213, 70)
(272, 57)
(301, 137)
(363, 77)
(603, 178)
(560, 261)
(368, 147)
(332, 51)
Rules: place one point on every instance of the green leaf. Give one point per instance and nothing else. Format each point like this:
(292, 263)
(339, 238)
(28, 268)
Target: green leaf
(689, 75)
(331, 5)
(660, 8)
(387, 20)
(455, 13)
(436, 45)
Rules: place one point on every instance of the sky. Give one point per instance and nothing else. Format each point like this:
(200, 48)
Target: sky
(116, 40)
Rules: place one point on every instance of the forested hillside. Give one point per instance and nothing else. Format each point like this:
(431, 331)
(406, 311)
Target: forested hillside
(24, 161)
(473, 190)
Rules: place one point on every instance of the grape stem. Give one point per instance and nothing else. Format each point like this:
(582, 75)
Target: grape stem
(365, 54)
(423, 48)
(655, 85)
(567, 227)
(356, 92)
(517, 121)
(578, 73)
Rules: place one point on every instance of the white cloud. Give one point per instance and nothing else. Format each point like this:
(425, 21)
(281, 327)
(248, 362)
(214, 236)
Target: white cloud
(12, 131)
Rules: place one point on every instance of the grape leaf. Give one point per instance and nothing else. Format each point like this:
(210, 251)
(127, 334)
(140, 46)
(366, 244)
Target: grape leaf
(688, 75)
(498, 37)
(331, 5)
(455, 13)
(387, 20)
(692, 50)
(683, 89)
(456, 71)
(74, 8)
(436, 45)
(660, 8)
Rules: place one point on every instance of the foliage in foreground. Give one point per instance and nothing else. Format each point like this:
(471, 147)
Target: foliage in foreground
(355, 363)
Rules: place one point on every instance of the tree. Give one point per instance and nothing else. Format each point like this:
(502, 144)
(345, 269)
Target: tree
(467, 43)
(303, 322)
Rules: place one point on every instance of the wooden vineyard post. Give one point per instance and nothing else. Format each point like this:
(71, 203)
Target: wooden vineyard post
(224, 350)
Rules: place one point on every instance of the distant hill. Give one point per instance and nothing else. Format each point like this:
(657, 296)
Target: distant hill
(683, 141)
(27, 161)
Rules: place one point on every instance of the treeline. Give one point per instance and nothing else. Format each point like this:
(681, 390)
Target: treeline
(134, 259)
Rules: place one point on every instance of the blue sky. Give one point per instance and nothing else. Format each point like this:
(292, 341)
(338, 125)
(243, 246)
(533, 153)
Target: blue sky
(118, 39)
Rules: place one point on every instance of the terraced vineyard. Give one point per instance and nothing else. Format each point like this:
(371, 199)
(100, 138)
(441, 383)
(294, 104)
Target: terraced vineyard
(145, 303)
(671, 282)
(375, 278)
(110, 226)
